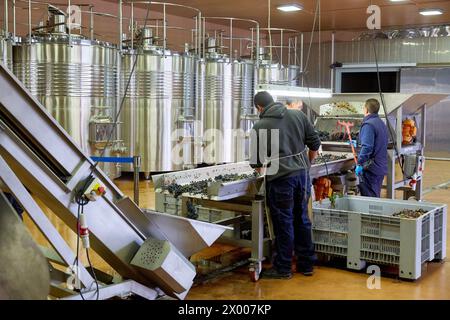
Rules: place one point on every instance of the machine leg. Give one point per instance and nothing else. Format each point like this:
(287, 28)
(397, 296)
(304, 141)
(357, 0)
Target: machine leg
(257, 239)
(136, 169)
(419, 184)
(391, 175)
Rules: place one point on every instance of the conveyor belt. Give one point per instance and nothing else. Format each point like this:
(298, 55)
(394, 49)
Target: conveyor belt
(220, 191)
(49, 163)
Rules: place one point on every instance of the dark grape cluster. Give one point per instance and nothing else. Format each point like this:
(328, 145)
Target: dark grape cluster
(338, 136)
(328, 158)
(235, 177)
(324, 136)
(191, 210)
(201, 187)
(196, 187)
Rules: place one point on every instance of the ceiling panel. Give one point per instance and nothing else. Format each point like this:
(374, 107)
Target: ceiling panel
(335, 14)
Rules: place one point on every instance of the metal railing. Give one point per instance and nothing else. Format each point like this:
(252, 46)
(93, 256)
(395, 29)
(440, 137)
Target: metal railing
(254, 43)
(165, 27)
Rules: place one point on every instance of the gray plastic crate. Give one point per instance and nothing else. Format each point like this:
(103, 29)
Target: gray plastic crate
(213, 215)
(165, 202)
(330, 232)
(440, 234)
(365, 231)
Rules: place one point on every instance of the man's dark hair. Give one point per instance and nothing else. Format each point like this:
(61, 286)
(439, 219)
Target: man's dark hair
(263, 99)
(373, 106)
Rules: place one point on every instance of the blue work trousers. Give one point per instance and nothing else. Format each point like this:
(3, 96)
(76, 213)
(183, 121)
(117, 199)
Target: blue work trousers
(288, 203)
(370, 184)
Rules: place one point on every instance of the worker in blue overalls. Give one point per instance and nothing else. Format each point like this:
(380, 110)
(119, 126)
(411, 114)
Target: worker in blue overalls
(372, 160)
(288, 185)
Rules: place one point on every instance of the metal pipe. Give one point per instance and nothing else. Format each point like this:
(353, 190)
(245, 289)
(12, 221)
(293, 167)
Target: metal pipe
(281, 50)
(164, 29)
(332, 61)
(301, 57)
(240, 47)
(194, 39)
(295, 50)
(91, 24)
(14, 21)
(257, 46)
(320, 45)
(203, 36)
(69, 25)
(252, 47)
(199, 34)
(29, 21)
(289, 50)
(6, 17)
(231, 40)
(132, 26)
(438, 159)
(136, 169)
(120, 26)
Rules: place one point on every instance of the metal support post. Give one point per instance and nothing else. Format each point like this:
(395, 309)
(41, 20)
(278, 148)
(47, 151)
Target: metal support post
(423, 130)
(257, 256)
(136, 169)
(390, 186)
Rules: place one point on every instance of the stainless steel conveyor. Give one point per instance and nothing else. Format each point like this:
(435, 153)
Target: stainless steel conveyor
(149, 250)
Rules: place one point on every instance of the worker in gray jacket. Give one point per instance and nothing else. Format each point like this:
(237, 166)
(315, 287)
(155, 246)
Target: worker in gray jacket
(278, 143)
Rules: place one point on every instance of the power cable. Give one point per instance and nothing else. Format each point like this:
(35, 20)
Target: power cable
(304, 73)
(116, 119)
(97, 291)
(383, 103)
(80, 198)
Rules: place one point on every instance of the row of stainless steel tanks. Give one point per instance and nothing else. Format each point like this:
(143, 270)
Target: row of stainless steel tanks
(179, 110)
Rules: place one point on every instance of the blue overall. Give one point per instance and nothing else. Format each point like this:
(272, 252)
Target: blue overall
(373, 139)
(288, 202)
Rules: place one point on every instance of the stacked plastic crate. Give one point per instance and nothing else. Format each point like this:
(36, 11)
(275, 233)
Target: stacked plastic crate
(365, 230)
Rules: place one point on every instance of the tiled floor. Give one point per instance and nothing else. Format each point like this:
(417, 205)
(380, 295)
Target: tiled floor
(327, 282)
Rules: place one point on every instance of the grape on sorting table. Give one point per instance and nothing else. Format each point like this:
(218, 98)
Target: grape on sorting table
(201, 187)
(329, 158)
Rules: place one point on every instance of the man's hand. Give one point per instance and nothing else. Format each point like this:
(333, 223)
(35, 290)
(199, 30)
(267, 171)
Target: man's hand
(359, 170)
(312, 155)
(260, 170)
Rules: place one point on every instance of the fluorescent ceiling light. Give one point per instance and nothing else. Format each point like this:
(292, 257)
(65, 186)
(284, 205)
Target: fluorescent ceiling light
(291, 91)
(431, 12)
(399, 0)
(290, 7)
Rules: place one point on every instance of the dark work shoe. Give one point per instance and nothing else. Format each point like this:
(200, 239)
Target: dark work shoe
(308, 272)
(274, 274)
